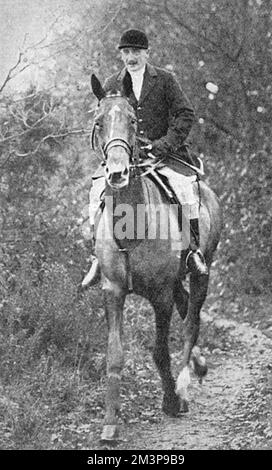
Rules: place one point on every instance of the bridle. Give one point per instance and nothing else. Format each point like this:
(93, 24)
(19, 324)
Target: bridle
(131, 150)
(117, 142)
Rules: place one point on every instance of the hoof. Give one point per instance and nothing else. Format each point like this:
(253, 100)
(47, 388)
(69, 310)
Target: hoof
(171, 407)
(199, 364)
(110, 433)
(184, 407)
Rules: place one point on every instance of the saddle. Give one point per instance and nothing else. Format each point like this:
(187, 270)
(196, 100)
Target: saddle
(185, 163)
(191, 166)
(163, 184)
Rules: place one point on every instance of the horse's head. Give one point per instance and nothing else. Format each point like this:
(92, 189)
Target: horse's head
(115, 131)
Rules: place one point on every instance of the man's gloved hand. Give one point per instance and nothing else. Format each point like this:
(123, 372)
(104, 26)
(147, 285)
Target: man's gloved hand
(144, 146)
(160, 148)
(143, 151)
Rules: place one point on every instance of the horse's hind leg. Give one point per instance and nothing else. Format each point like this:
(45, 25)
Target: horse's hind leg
(198, 292)
(163, 306)
(114, 299)
(181, 298)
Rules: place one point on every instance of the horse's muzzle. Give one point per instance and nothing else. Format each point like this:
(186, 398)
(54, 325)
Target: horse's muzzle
(117, 168)
(118, 179)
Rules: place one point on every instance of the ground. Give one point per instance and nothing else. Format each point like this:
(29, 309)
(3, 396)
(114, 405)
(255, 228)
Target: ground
(230, 410)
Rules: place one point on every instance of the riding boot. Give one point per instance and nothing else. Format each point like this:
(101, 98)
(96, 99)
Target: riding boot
(94, 274)
(195, 260)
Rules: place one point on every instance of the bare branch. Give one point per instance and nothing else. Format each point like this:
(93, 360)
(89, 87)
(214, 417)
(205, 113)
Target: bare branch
(15, 70)
(23, 117)
(223, 128)
(112, 19)
(200, 37)
(24, 40)
(20, 70)
(35, 46)
(47, 137)
(5, 161)
(54, 137)
(35, 93)
(12, 137)
(9, 74)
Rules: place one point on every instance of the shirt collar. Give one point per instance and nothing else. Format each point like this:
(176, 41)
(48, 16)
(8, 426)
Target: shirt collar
(149, 69)
(138, 73)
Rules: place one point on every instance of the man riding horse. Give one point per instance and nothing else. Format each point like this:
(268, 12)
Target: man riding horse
(164, 120)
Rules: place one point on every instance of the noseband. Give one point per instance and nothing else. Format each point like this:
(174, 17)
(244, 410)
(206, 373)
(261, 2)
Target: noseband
(117, 142)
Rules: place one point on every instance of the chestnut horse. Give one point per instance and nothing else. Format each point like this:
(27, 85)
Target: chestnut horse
(149, 266)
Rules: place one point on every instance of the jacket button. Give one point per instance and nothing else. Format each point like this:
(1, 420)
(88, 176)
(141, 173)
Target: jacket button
(139, 108)
(140, 120)
(141, 132)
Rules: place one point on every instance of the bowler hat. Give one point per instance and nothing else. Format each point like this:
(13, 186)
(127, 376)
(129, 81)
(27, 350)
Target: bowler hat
(134, 38)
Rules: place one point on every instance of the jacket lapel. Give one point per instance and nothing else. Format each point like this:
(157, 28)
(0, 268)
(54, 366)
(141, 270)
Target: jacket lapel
(150, 77)
(149, 81)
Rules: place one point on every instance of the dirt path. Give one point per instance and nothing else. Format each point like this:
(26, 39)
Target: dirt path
(231, 410)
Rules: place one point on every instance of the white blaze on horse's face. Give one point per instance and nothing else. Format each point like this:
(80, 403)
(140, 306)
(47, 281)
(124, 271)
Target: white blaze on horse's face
(118, 134)
(113, 112)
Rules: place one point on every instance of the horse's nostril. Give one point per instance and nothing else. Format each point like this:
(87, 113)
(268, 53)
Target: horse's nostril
(115, 177)
(125, 172)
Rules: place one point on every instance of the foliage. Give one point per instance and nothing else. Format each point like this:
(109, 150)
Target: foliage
(204, 43)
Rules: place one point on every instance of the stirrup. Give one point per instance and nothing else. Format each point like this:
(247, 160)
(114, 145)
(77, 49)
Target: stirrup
(93, 275)
(199, 263)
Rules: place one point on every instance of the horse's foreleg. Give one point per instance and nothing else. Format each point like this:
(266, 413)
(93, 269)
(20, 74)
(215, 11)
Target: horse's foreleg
(163, 306)
(181, 298)
(198, 292)
(114, 299)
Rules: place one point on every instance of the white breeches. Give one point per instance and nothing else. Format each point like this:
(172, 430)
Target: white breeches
(184, 189)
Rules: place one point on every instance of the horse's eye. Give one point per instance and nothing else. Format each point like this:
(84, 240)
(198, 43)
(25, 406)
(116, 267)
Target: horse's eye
(98, 124)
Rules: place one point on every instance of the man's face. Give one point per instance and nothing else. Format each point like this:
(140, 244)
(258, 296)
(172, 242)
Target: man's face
(134, 58)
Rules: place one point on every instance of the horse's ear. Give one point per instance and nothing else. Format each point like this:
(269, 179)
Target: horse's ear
(97, 87)
(127, 84)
